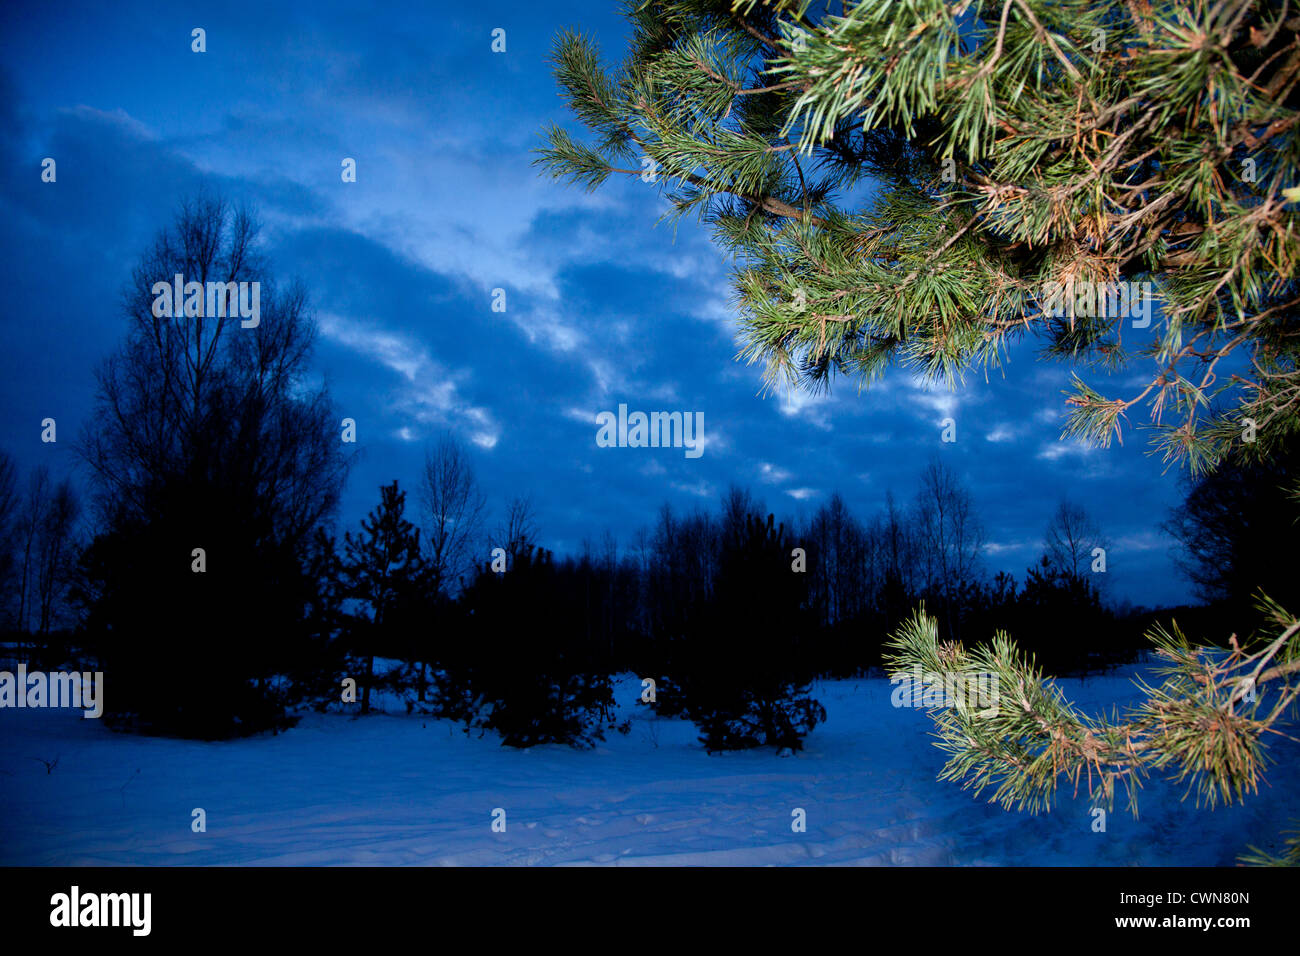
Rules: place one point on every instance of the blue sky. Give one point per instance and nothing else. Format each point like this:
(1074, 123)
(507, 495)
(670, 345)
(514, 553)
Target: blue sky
(602, 308)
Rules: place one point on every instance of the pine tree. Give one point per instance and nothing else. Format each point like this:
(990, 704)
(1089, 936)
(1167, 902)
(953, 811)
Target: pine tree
(382, 571)
(320, 663)
(1025, 155)
(745, 673)
(525, 668)
(924, 184)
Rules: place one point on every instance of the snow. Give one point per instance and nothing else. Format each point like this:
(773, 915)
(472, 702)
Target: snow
(393, 789)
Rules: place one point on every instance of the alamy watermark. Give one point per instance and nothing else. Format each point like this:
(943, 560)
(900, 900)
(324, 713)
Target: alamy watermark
(1080, 299)
(977, 691)
(75, 908)
(197, 300)
(57, 689)
(655, 430)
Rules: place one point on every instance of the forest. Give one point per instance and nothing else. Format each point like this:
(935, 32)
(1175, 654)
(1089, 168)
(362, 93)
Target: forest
(214, 480)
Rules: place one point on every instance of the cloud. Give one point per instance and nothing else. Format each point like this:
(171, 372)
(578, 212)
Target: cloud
(1142, 541)
(430, 394)
(994, 548)
(601, 306)
(699, 489)
(1055, 451)
(942, 403)
(808, 407)
(1003, 433)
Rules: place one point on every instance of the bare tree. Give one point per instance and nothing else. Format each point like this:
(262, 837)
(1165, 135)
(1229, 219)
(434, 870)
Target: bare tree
(55, 553)
(9, 499)
(193, 397)
(10, 503)
(1070, 539)
(519, 531)
(29, 526)
(738, 505)
(209, 443)
(898, 546)
(950, 534)
(452, 509)
(841, 578)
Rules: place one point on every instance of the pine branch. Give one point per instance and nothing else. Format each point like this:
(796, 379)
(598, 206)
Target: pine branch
(1203, 725)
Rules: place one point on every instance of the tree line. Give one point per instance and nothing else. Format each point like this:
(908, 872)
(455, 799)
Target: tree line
(205, 575)
(1032, 167)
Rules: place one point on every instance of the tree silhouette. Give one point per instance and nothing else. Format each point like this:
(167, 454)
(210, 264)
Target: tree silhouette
(525, 664)
(384, 572)
(1071, 538)
(213, 466)
(1231, 525)
(744, 671)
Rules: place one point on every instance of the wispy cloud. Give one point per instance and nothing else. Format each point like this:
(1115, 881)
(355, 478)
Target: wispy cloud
(428, 393)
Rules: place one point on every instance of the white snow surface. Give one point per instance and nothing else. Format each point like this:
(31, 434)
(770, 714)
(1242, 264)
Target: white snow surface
(393, 789)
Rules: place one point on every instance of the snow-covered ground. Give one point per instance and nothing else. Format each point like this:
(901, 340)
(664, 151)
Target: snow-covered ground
(398, 789)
